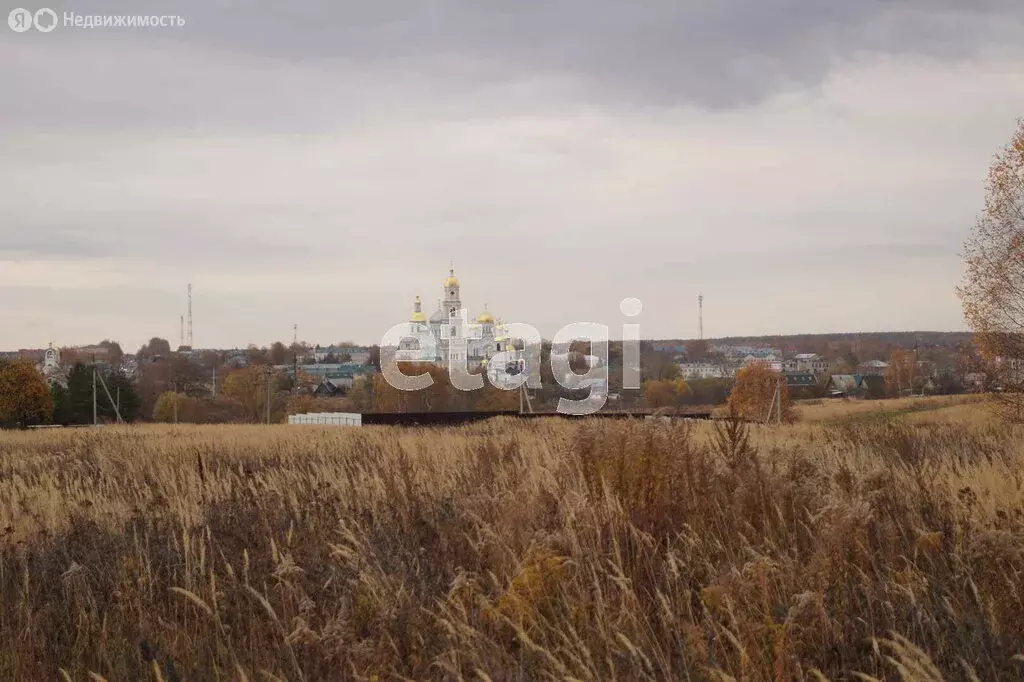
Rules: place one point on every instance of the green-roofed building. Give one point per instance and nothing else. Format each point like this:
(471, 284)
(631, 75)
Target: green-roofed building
(800, 379)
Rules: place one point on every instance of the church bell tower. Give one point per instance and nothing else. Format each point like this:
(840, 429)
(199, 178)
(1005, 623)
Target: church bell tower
(452, 302)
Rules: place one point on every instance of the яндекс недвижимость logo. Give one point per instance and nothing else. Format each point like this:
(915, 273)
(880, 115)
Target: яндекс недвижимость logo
(45, 20)
(21, 20)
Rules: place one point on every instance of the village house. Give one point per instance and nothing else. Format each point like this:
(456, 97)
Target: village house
(768, 361)
(356, 354)
(843, 386)
(873, 367)
(704, 370)
(806, 362)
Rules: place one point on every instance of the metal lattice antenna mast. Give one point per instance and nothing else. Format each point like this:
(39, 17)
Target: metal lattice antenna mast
(190, 315)
(181, 333)
(700, 316)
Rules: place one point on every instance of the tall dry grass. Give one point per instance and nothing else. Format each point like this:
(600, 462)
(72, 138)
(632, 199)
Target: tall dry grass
(504, 550)
(832, 409)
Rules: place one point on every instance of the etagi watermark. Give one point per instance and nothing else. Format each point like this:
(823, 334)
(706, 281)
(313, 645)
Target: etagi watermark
(45, 20)
(511, 369)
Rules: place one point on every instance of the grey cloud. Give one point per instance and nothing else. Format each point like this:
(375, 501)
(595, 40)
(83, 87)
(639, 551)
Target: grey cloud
(189, 239)
(713, 54)
(871, 255)
(297, 66)
(558, 150)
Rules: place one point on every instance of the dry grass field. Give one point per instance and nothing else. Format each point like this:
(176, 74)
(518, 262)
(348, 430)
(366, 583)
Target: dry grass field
(851, 410)
(838, 547)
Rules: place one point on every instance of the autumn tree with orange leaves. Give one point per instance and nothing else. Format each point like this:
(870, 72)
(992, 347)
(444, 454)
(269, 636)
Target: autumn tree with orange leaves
(666, 394)
(901, 374)
(753, 394)
(249, 388)
(993, 289)
(25, 399)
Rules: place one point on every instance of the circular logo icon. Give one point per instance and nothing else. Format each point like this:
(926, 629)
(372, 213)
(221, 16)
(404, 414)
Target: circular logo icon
(631, 307)
(20, 19)
(46, 20)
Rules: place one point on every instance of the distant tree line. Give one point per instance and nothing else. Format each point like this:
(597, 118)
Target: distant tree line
(27, 400)
(74, 404)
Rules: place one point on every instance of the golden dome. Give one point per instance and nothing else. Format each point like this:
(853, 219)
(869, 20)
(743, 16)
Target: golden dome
(451, 280)
(417, 313)
(485, 317)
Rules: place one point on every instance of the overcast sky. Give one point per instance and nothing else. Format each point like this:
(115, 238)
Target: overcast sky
(807, 166)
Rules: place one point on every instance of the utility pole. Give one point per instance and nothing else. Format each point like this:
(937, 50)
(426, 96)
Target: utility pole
(778, 390)
(268, 396)
(913, 370)
(174, 385)
(295, 361)
(94, 420)
(116, 406)
(776, 404)
(214, 393)
(523, 395)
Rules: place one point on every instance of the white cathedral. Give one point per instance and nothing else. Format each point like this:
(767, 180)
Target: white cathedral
(450, 334)
(51, 368)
